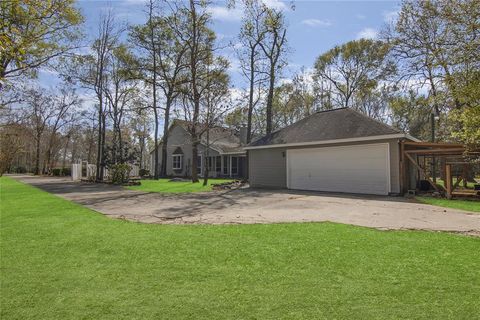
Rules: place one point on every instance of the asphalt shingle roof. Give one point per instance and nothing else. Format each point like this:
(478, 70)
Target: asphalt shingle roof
(223, 139)
(333, 124)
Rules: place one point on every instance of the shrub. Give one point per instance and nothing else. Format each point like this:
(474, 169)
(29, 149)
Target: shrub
(56, 172)
(119, 173)
(21, 169)
(144, 172)
(66, 171)
(18, 169)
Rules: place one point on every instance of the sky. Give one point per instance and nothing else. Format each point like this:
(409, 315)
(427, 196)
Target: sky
(314, 27)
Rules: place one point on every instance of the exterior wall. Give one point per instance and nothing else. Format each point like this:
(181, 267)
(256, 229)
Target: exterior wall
(268, 166)
(179, 138)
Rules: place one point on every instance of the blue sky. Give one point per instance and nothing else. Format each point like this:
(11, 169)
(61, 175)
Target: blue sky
(314, 26)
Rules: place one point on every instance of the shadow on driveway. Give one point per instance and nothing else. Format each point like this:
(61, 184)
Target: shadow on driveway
(249, 205)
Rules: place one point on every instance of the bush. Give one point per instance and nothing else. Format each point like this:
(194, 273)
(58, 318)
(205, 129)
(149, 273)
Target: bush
(56, 172)
(21, 169)
(18, 169)
(66, 171)
(144, 172)
(120, 173)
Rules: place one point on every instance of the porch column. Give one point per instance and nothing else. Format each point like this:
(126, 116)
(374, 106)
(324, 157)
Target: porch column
(221, 165)
(230, 157)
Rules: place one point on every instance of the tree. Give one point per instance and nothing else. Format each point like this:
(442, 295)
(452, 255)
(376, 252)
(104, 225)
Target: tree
(145, 37)
(216, 92)
(12, 143)
(120, 90)
(354, 68)
(436, 44)
(169, 64)
(34, 32)
(193, 31)
(252, 34)
(39, 111)
(91, 71)
(273, 46)
(63, 106)
(293, 101)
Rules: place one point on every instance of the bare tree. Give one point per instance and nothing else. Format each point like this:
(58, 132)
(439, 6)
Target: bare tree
(145, 38)
(63, 106)
(120, 90)
(199, 39)
(273, 46)
(252, 34)
(170, 63)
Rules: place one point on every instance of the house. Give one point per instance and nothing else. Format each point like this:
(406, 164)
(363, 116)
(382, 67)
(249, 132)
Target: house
(338, 150)
(224, 153)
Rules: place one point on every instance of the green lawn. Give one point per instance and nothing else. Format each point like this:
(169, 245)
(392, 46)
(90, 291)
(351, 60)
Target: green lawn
(166, 186)
(62, 261)
(469, 205)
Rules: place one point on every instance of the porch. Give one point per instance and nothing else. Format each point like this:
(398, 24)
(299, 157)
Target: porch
(223, 166)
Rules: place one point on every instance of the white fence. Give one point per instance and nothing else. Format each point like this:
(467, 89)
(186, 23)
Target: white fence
(91, 171)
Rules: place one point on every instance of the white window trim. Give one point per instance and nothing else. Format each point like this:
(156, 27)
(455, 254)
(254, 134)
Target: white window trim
(180, 161)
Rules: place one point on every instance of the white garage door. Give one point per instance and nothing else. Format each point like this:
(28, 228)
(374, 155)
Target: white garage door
(352, 169)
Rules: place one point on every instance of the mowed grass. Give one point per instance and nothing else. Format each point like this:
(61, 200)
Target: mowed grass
(167, 186)
(62, 261)
(468, 205)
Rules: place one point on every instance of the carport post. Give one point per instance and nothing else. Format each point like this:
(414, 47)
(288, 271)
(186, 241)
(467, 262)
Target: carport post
(448, 180)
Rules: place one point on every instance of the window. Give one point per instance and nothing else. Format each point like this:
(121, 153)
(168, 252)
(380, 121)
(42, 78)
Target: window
(199, 165)
(177, 161)
(225, 165)
(234, 165)
(218, 164)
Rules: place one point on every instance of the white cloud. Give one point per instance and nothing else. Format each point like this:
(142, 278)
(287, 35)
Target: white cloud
(316, 23)
(276, 4)
(367, 33)
(390, 16)
(225, 14)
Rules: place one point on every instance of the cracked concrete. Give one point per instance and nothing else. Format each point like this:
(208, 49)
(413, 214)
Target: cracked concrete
(246, 206)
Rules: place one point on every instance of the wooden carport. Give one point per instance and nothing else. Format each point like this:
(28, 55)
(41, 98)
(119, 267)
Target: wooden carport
(419, 161)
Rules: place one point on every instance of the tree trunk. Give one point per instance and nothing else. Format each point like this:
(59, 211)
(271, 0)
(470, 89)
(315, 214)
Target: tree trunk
(194, 160)
(37, 155)
(99, 173)
(196, 95)
(102, 162)
(64, 158)
(270, 99)
(250, 97)
(206, 171)
(166, 124)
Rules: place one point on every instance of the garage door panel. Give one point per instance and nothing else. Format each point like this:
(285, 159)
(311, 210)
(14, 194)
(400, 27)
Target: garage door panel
(353, 169)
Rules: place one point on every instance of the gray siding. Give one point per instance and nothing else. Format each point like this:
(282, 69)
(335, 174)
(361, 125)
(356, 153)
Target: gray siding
(268, 166)
(179, 138)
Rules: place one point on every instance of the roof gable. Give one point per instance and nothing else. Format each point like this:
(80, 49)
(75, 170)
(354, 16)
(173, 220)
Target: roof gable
(344, 123)
(223, 140)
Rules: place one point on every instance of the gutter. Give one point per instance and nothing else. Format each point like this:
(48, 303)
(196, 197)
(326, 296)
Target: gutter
(311, 143)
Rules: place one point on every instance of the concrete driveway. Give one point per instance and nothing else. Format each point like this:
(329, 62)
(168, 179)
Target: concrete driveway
(259, 206)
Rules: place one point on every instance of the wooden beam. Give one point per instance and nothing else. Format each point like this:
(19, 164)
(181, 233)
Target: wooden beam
(433, 144)
(437, 151)
(422, 171)
(448, 180)
(457, 183)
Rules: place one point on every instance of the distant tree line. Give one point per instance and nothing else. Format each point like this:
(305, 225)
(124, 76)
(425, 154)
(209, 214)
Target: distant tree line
(120, 90)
